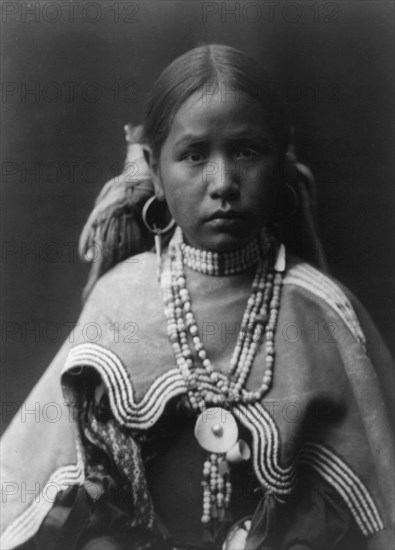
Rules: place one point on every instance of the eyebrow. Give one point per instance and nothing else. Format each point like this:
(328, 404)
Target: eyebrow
(187, 138)
(239, 133)
(196, 138)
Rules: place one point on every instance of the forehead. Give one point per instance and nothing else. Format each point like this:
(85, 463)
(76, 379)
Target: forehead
(218, 115)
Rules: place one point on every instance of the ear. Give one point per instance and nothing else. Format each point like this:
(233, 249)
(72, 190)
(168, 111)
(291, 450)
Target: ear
(153, 164)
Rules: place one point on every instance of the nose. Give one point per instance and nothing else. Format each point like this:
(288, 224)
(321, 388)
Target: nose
(223, 179)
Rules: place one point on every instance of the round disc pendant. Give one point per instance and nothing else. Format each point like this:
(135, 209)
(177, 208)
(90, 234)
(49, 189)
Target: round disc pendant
(216, 430)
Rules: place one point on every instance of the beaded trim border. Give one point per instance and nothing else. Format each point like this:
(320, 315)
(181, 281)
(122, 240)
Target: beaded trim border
(309, 278)
(27, 524)
(265, 436)
(350, 487)
(281, 480)
(126, 410)
(266, 449)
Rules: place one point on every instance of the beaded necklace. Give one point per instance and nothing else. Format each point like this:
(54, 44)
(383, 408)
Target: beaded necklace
(212, 393)
(227, 263)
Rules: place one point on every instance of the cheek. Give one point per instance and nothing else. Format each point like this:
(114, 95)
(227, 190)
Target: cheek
(262, 182)
(177, 192)
(171, 180)
(180, 183)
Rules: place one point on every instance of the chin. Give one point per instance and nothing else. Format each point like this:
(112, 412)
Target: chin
(223, 242)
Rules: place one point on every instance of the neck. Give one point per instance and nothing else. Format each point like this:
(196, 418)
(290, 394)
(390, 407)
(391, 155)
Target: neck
(219, 263)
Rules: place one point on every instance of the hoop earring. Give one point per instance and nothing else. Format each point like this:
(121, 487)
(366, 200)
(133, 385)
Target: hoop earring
(157, 231)
(291, 171)
(295, 199)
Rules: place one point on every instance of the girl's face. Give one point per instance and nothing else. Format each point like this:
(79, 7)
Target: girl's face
(217, 169)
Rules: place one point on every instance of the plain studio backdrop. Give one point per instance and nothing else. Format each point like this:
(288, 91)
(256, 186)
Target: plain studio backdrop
(75, 72)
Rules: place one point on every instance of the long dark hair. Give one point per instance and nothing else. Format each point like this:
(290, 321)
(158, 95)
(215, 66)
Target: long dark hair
(207, 68)
(116, 225)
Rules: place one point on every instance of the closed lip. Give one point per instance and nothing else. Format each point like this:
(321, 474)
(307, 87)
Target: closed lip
(225, 214)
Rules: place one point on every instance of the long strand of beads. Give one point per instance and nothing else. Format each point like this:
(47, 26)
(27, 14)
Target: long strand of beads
(259, 320)
(204, 384)
(257, 395)
(246, 345)
(177, 336)
(245, 323)
(217, 491)
(241, 365)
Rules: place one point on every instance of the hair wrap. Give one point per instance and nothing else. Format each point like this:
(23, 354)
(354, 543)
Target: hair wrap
(114, 230)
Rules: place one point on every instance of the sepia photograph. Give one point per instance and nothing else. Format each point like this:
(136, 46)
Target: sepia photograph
(197, 275)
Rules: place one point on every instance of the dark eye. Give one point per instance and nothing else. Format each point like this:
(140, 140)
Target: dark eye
(193, 157)
(246, 153)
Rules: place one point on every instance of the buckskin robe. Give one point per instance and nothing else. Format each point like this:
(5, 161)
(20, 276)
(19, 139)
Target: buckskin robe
(321, 439)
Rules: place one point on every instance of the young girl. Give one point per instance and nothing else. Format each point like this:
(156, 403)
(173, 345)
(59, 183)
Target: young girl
(231, 395)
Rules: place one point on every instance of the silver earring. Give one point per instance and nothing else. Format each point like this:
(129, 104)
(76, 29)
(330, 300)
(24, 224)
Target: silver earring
(295, 199)
(157, 231)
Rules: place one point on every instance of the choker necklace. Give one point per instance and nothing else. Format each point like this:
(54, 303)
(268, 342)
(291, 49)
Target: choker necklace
(211, 393)
(211, 262)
